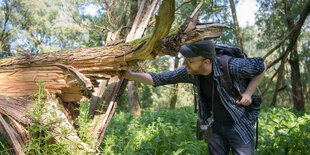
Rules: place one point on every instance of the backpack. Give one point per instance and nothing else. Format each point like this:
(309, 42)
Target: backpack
(223, 54)
(233, 51)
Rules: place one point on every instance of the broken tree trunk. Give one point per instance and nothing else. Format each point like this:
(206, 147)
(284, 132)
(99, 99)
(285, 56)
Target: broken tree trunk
(72, 74)
(137, 31)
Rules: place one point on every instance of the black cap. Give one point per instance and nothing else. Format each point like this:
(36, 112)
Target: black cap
(204, 48)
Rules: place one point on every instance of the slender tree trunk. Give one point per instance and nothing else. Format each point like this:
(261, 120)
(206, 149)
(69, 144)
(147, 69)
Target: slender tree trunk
(298, 98)
(174, 92)
(1, 48)
(134, 107)
(133, 97)
(280, 75)
(307, 90)
(141, 20)
(238, 31)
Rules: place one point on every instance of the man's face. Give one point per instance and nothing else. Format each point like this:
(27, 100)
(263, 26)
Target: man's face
(196, 65)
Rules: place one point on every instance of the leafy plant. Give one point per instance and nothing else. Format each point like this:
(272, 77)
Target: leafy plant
(41, 142)
(284, 131)
(281, 130)
(160, 132)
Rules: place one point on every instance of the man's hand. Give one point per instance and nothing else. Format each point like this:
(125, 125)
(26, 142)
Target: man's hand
(138, 77)
(246, 100)
(126, 74)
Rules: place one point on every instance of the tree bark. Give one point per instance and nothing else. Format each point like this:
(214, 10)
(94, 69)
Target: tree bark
(97, 98)
(134, 107)
(174, 91)
(280, 75)
(238, 31)
(114, 91)
(298, 98)
(11, 136)
(139, 27)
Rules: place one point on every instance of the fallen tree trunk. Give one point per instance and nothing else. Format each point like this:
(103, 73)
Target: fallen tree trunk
(19, 75)
(73, 74)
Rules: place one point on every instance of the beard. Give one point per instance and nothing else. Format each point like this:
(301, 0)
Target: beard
(193, 71)
(198, 70)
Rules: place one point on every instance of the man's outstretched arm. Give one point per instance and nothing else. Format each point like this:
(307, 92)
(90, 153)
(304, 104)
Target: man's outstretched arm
(138, 77)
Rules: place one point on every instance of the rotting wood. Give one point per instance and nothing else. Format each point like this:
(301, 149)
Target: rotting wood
(83, 81)
(69, 109)
(103, 120)
(22, 132)
(98, 64)
(10, 135)
(97, 98)
(15, 108)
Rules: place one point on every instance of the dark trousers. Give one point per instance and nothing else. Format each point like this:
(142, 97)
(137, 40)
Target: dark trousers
(224, 138)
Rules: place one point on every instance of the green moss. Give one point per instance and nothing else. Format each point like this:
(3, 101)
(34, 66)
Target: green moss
(133, 43)
(174, 30)
(3, 61)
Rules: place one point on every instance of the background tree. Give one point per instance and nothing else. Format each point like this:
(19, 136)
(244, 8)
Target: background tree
(175, 88)
(236, 23)
(284, 16)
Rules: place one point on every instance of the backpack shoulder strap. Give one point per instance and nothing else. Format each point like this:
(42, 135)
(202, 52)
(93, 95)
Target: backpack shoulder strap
(228, 85)
(225, 79)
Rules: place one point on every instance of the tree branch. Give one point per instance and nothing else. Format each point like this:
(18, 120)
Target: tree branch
(296, 33)
(6, 20)
(279, 43)
(267, 83)
(82, 79)
(185, 2)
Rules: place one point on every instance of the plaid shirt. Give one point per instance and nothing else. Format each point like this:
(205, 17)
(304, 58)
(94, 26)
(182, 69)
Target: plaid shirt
(241, 70)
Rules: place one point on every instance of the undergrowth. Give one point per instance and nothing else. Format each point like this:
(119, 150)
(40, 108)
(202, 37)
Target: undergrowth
(43, 142)
(282, 130)
(161, 132)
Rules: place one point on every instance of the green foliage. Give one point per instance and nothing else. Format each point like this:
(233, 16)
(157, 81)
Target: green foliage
(284, 131)
(160, 132)
(281, 131)
(84, 125)
(274, 19)
(42, 142)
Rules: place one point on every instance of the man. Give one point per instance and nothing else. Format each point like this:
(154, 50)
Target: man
(233, 126)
